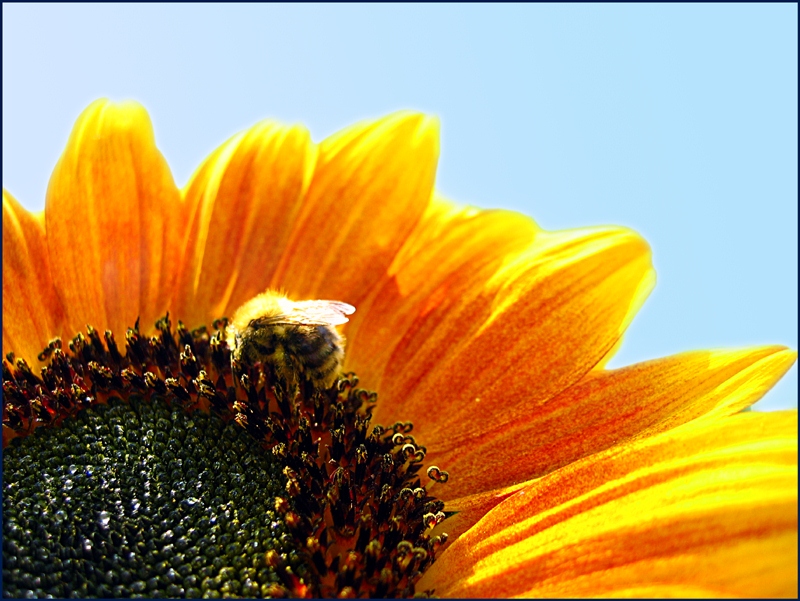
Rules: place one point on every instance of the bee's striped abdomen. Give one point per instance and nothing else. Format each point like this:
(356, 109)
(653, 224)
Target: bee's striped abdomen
(317, 350)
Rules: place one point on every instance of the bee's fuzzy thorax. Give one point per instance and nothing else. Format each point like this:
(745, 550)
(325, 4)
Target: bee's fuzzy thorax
(266, 304)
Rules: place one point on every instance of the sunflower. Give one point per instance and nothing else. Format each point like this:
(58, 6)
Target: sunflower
(547, 474)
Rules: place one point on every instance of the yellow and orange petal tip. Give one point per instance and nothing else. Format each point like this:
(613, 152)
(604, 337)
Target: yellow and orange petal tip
(113, 215)
(371, 185)
(242, 204)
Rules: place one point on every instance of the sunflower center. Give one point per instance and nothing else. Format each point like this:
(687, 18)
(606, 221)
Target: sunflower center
(160, 475)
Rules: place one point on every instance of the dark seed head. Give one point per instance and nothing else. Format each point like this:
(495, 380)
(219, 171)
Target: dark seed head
(183, 483)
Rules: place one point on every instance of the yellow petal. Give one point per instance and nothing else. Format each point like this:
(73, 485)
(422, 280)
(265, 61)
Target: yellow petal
(371, 185)
(243, 204)
(446, 261)
(709, 506)
(607, 408)
(32, 311)
(536, 327)
(113, 220)
(661, 591)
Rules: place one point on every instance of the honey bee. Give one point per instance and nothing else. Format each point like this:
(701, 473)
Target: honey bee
(296, 339)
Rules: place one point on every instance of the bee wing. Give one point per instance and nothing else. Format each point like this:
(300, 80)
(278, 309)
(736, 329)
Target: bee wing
(322, 312)
(313, 312)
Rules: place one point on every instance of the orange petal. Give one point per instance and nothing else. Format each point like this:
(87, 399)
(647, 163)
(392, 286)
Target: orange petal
(32, 311)
(113, 216)
(710, 506)
(468, 510)
(370, 187)
(536, 327)
(607, 408)
(445, 262)
(243, 202)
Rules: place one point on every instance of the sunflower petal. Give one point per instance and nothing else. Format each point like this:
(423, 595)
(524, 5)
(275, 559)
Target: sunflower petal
(243, 202)
(607, 408)
(453, 252)
(709, 506)
(32, 311)
(467, 511)
(370, 187)
(113, 214)
(536, 327)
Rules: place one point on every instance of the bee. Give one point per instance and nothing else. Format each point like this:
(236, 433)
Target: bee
(295, 339)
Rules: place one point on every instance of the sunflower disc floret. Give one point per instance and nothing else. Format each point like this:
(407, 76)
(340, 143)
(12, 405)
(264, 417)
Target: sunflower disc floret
(158, 476)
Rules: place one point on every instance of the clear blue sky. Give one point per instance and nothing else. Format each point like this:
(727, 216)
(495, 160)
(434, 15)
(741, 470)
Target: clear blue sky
(677, 120)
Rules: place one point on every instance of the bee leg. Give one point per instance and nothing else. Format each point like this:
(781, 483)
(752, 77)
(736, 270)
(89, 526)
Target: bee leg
(237, 371)
(283, 392)
(308, 388)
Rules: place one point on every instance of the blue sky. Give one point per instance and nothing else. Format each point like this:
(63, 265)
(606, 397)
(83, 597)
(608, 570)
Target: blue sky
(677, 120)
